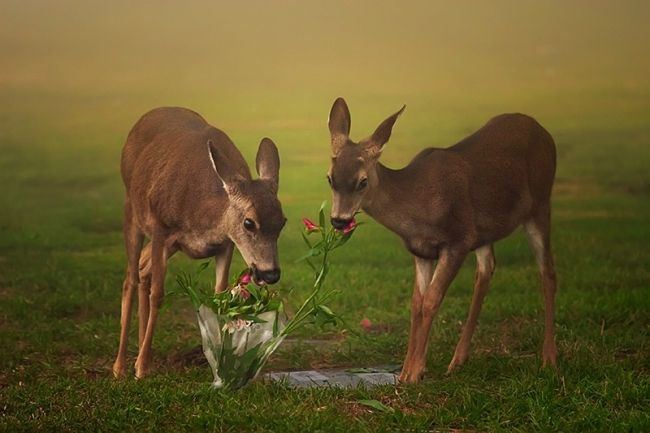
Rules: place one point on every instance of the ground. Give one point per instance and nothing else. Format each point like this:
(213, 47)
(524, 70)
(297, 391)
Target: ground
(62, 260)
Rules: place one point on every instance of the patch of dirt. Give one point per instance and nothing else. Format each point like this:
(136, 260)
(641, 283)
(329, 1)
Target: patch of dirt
(7, 292)
(506, 341)
(75, 363)
(189, 358)
(97, 372)
(355, 409)
(316, 352)
(379, 328)
(628, 353)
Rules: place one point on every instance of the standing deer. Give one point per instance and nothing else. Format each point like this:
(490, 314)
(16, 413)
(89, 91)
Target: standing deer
(446, 203)
(188, 188)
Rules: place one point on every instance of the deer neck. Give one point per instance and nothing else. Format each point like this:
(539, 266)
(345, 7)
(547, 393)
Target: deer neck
(388, 200)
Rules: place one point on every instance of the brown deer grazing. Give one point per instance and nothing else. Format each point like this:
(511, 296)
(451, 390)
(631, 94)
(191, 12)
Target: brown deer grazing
(448, 202)
(188, 188)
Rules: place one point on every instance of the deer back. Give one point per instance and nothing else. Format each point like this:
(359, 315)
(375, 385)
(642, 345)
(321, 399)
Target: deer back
(167, 169)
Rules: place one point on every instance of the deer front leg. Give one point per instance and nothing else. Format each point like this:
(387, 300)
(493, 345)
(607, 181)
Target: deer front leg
(222, 267)
(448, 265)
(133, 241)
(423, 273)
(161, 249)
(485, 264)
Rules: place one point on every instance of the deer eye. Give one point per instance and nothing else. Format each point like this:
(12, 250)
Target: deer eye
(249, 224)
(363, 184)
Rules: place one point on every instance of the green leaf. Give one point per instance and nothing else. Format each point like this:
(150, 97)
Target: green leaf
(252, 318)
(321, 275)
(202, 266)
(321, 215)
(327, 310)
(311, 253)
(323, 316)
(185, 282)
(344, 239)
(273, 305)
(276, 325)
(311, 265)
(377, 405)
(306, 239)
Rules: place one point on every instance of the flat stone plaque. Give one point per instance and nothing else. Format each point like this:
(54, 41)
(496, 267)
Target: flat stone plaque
(350, 378)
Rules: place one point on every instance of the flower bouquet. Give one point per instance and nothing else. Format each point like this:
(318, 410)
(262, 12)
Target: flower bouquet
(242, 326)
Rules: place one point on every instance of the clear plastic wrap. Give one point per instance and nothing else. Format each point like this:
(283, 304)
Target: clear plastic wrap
(238, 350)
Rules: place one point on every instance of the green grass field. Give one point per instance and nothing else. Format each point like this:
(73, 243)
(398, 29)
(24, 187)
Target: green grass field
(76, 76)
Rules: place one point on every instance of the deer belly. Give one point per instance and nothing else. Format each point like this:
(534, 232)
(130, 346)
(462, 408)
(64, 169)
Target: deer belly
(422, 248)
(199, 248)
(210, 250)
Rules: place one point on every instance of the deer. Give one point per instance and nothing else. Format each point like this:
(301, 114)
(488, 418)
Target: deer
(446, 203)
(189, 188)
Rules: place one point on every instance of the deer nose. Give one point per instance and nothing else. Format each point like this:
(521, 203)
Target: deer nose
(269, 277)
(340, 223)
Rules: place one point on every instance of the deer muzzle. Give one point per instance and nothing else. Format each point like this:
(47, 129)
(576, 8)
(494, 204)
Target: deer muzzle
(269, 277)
(340, 223)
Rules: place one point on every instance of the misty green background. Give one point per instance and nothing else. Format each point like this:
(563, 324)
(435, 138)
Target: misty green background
(76, 75)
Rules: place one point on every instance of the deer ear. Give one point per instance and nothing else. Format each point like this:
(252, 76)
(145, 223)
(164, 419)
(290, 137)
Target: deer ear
(268, 161)
(381, 135)
(223, 168)
(339, 123)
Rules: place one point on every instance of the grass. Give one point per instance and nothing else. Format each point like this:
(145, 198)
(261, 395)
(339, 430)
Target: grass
(62, 261)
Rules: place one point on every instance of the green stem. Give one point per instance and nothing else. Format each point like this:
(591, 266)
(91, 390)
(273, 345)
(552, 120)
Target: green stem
(317, 284)
(301, 314)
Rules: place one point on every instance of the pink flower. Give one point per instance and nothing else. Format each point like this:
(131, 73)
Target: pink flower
(351, 226)
(244, 293)
(245, 279)
(365, 323)
(241, 291)
(236, 325)
(309, 225)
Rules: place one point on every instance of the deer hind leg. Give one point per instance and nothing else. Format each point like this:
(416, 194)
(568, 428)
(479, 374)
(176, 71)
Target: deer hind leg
(133, 239)
(485, 264)
(538, 230)
(144, 291)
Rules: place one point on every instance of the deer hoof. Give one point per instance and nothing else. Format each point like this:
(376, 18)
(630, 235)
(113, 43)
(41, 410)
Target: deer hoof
(119, 370)
(141, 369)
(455, 363)
(408, 376)
(549, 356)
(549, 362)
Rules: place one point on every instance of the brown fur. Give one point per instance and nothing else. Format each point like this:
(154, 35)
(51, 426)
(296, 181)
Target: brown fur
(448, 202)
(188, 188)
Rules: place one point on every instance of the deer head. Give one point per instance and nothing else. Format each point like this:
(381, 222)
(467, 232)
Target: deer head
(253, 217)
(353, 173)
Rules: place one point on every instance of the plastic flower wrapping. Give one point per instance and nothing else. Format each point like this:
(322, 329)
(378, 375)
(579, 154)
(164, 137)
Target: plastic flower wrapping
(242, 326)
